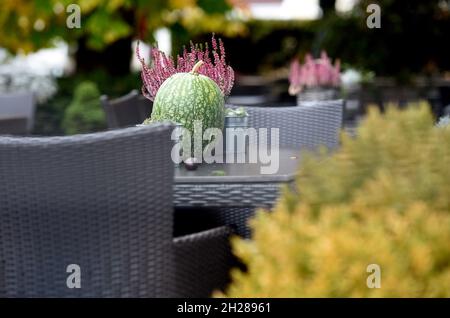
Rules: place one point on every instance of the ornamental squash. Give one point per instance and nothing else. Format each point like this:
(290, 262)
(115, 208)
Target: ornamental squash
(186, 97)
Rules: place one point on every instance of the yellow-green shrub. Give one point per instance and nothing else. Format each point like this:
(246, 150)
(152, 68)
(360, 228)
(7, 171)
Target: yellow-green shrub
(383, 198)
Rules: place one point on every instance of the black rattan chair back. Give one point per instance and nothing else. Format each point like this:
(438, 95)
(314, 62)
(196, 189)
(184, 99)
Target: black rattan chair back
(14, 126)
(100, 201)
(301, 126)
(128, 110)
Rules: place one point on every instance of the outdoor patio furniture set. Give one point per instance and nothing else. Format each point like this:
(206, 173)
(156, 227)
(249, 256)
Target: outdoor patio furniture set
(105, 201)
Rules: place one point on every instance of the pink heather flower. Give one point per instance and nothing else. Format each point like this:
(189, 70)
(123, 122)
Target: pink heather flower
(164, 66)
(313, 73)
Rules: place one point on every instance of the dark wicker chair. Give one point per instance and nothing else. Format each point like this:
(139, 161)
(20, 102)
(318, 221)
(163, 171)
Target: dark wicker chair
(19, 106)
(203, 261)
(300, 127)
(128, 110)
(145, 107)
(104, 202)
(14, 126)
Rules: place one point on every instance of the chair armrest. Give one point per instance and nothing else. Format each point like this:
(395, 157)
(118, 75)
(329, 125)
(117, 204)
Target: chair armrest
(202, 262)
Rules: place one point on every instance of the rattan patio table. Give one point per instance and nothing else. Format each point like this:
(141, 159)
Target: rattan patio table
(234, 184)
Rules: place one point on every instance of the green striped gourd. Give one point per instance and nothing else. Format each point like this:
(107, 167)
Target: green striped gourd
(186, 97)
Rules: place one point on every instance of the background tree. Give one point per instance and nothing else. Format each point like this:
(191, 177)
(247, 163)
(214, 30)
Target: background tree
(411, 39)
(107, 27)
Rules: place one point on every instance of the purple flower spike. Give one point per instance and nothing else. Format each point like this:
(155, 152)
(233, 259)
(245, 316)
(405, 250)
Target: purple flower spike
(313, 73)
(163, 67)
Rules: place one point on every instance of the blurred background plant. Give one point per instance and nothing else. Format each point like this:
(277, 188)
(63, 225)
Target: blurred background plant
(383, 198)
(101, 49)
(313, 73)
(16, 75)
(108, 27)
(411, 39)
(260, 37)
(84, 113)
(15, 79)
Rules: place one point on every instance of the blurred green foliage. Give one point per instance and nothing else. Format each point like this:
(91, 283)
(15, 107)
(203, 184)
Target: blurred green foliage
(412, 40)
(267, 45)
(383, 198)
(50, 115)
(29, 25)
(84, 113)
